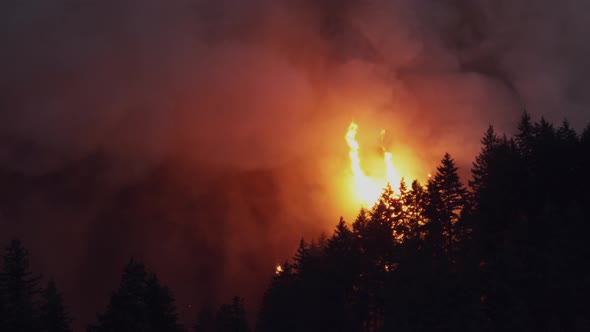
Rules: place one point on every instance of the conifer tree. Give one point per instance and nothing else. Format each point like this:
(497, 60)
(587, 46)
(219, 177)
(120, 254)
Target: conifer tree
(566, 133)
(19, 289)
(526, 133)
(139, 304)
(378, 237)
(447, 197)
(160, 306)
(360, 224)
(480, 170)
(54, 315)
(280, 307)
(302, 257)
(341, 244)
(415, 203)
(232, 317)
(127, 310)
(401, 227)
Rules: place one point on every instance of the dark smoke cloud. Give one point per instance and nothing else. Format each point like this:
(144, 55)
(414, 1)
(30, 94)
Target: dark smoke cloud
(204, 137)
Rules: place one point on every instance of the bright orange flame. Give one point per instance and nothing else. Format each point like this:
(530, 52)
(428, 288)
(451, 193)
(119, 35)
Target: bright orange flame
(392, 177)
(278, 270)
(366, 188)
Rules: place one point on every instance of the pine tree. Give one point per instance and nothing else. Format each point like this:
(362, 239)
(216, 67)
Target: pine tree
(360, 224)
(54, 315)
(322, 243)
(447, 197)
(232, 317)
(525, 136)
(160, 306)
(480, 169)
(566, 133)
(280, 309)
(302, 257)
(127, 310)
(401, 227)
(139, 304)
(415, 204)
(342, 242)
(19, 291)
(378, 238)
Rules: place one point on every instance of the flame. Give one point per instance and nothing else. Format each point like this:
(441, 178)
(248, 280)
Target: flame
(392, 177)
(278, 270)
(368, 189)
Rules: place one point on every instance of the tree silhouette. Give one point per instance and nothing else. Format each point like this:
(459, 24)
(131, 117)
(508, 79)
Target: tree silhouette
(280, 304)
(446, 199)
(54, 316)
(160, 306)
(525, 136)
(481, 167)
(509, 255)
(139, 304)
(19, 289)
(232, 317)
(414, 202)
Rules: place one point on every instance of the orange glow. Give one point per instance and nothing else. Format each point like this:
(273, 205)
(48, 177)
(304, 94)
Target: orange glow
(367, 189)
(278, 270)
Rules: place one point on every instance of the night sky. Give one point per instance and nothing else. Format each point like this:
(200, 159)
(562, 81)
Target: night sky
(206, 137)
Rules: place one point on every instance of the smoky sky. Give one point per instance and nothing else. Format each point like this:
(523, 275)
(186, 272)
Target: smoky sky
(203, 136)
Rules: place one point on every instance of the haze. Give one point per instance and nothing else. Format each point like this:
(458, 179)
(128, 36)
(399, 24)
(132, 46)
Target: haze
(206, 137)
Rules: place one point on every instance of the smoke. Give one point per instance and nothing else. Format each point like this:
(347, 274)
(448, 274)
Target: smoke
(206, 137)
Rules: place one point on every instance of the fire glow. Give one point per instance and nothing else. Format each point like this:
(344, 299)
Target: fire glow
(368, 188)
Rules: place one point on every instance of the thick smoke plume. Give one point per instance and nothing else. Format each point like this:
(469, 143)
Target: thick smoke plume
(205, 137)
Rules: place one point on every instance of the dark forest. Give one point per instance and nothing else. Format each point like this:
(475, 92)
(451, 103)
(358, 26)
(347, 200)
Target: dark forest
(504, 251)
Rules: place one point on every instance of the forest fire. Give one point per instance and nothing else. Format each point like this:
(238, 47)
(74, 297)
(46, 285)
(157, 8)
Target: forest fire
(368, 188)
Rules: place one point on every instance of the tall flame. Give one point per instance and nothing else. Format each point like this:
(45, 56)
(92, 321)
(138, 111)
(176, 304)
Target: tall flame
(366, 188)
(392, 177)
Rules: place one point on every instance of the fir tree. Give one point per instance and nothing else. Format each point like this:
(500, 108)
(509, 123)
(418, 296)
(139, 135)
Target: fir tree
(415, 203)
(54, 315)
(447, 197)
(566, 133)
(19, 291)
(401, 227)
(280, 305)
(302, 257)
(481, 166)
(139, 304)
(525, 136)
(232, 317)
(160, 306)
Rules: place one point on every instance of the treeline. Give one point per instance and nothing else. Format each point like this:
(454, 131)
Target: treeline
(25, 305)
(509, 254)
(506, 252)
(139, 304)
